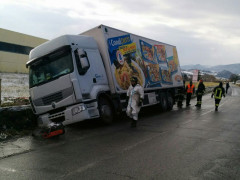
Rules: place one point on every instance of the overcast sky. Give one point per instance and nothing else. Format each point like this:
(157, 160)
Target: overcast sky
(206, 32)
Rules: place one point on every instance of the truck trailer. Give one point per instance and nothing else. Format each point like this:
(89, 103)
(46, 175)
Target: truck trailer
(78, 77)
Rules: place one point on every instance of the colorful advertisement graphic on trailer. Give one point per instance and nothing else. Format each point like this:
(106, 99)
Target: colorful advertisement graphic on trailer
(154, 65)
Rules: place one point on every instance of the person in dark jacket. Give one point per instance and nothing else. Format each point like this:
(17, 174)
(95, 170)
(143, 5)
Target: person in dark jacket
(218, 92)
(180, 93)
(200, 91)
(190, 89)
(227, 87)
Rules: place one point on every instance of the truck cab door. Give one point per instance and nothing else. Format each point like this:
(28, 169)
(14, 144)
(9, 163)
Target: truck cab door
(91, 70)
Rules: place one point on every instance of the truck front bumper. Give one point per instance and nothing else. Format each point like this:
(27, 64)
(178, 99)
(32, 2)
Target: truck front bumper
(70, 115)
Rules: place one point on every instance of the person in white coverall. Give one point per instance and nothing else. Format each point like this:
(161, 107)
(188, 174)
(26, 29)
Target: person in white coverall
(135, 95)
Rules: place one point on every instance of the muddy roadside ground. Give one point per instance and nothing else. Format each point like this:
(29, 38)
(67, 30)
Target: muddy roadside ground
(16, 121)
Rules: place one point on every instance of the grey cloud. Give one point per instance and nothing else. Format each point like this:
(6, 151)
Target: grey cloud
(218, 16)
(193, 50)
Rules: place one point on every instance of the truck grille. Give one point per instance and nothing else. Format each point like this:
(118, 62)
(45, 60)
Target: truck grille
(56, 97)
(58, 117)
(52, 98)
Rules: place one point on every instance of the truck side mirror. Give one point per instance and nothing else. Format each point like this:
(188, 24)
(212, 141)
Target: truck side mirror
(82, 61)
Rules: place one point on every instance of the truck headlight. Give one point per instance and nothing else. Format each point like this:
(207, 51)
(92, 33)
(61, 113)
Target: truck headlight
(78, 109)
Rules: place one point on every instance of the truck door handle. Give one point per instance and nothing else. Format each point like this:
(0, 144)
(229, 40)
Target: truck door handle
(94, 80)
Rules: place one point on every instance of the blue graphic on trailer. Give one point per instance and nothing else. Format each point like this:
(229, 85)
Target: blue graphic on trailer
(147, 52)
(172, 65)
(160, 55)
(166, 76)
(114, 44)
(149, 79)
(148, 56)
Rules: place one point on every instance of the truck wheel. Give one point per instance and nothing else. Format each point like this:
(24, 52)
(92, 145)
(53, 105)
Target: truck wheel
(163, 103)
(105, 111)
(170, 101)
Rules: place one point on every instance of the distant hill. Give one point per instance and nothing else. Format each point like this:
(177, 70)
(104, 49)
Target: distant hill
(196, 66)
(224, 74)
(233, 68)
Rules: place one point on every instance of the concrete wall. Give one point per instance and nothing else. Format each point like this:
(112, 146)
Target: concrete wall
(15, 62)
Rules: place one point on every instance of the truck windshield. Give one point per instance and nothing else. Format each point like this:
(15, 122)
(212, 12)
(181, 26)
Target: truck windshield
(50, 67)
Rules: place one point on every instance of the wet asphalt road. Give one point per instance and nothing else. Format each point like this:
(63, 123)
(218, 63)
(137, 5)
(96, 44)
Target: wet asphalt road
(187, 143)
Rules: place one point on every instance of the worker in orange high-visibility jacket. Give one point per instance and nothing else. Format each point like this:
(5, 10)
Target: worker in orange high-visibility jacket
(190, 89)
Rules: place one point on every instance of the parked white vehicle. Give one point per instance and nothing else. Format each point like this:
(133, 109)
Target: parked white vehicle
(78, 77)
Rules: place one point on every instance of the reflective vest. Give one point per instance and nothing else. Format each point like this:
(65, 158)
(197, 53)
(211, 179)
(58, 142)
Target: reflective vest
(190, 88)
(218, 93)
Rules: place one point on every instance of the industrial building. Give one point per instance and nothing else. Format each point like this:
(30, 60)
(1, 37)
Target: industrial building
(14, 50)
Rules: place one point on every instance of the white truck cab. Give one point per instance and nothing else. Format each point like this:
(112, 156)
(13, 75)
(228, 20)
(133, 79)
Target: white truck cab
(65, 75)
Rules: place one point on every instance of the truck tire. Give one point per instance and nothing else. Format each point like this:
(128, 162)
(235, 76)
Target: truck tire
(169, 101)
(163, 103)
(105, 111)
